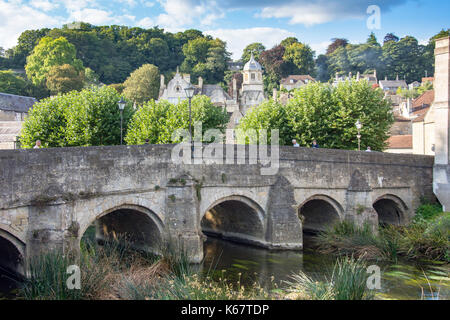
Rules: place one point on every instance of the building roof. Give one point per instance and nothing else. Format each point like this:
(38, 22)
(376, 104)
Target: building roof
(422, 105)
(400, 142)
(296, 78)
(252, 65)
(11, 102)
(393, 83)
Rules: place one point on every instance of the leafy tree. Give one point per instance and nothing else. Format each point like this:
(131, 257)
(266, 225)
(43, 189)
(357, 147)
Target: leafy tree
(65, 78)
(289, 41)
(91, 78)
(322, 68)
(49, 53)
(327, 114)
(158, 121)
(119, 87)
(390, 37)
(25, 45)
(372, 40)
(336, 43)
(256, 48)
(302, 58)
(275, 67)
(87, 118)
(143, 84)
(12, 84)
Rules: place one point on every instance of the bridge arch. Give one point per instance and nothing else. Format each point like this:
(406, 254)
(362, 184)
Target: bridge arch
(391, 210)
(12, 250)
(236, 218)
(137, 224)
(318, 212)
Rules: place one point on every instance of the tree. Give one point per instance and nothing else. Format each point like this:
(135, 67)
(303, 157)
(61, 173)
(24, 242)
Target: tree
(87, 118)
(90, 78)
(158, 121)
(327, 114)
(372, 40)
(256, 48)
(302, 58)
(336, 43)
(390, 37)
(65, 78)
(12, 84)
(25, 45)
(143, 84)
(289, 41)
(49, 53)
(275, 67)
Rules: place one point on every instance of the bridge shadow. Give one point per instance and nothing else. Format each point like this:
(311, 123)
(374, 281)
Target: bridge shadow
(235, 219)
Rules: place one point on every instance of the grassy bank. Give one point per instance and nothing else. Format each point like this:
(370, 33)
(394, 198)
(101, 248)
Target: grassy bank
(426, 238)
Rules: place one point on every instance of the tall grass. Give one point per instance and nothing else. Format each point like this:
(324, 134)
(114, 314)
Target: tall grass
(348, 281)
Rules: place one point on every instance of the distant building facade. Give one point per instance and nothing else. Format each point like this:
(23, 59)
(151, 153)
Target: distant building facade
(296, 81)
(13, 110)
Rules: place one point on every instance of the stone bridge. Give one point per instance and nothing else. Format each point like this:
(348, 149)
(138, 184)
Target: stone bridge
(49, 197)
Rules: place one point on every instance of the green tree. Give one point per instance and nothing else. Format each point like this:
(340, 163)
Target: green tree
(289, 41)
(327, 114)
(256, 48)
(302, 58)
(158, 121)
(65, 78)
(87, 118)
(12, 84)
(143, 84)
(49, 53)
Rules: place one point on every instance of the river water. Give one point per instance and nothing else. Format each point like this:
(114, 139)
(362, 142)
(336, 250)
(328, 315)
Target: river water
(270, 268)
(403, 281)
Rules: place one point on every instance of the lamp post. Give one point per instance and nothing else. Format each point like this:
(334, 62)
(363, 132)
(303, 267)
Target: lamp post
(359, 126)
(121, 104)
(189, 94)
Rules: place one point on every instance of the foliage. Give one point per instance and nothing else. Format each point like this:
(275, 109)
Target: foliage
(348, 281)
(143, 84)
(12, 84)
(158, 121)
(336, 43)
(427, 211)
(49, 53)
(256, 48)
(87, 118)
(302, 57)
(327, 114)
(64, 78)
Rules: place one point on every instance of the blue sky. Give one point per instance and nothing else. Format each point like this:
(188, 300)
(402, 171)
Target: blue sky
(239, 22)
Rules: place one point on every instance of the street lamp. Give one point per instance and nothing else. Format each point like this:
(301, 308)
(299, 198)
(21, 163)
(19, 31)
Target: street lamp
(359, 126)
(189, 94)
(121, 104)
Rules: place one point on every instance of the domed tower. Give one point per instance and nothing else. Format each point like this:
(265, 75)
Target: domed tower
(252, 92)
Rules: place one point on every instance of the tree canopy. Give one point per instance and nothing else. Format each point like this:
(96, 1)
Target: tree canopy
(327, 114)
(49, 53)
(87, 118)
(65, 78)
(158, 121)
(143, 84)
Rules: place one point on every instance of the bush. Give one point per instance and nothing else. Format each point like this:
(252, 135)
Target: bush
(427, 211)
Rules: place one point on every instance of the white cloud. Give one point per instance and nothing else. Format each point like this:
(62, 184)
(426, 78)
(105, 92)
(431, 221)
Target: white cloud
(238, 39)
(15, 17)
(45, 5)
(321, 47)
(146, 23)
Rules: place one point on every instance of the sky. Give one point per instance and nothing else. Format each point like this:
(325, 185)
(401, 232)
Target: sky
(238, 22)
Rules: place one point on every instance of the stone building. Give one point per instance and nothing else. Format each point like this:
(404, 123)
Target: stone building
(295, 81)
(13, 110)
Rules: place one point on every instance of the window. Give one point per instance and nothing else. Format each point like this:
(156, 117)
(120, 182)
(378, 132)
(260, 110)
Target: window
(253, 76)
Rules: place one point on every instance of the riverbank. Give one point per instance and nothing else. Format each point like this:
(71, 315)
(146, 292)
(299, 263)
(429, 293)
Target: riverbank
(426, 238)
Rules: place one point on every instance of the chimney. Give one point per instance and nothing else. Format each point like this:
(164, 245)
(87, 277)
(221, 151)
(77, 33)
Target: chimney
(337, 77)
(200, 83)
(358, 76)
(385, 78)
(375, 73)
(409, 105)
(275, 94)
(187, 77)
(396, 78)
(350, 75)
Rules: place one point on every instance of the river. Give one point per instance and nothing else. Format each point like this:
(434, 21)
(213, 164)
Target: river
(405, 281)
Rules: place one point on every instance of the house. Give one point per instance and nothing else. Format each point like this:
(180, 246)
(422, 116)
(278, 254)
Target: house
(423, 124)
(391, 86)
(296, 81)
(400, 144)
(13, 110)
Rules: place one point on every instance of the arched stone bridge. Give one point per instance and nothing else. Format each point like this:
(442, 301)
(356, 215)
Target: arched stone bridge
(49, 197)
